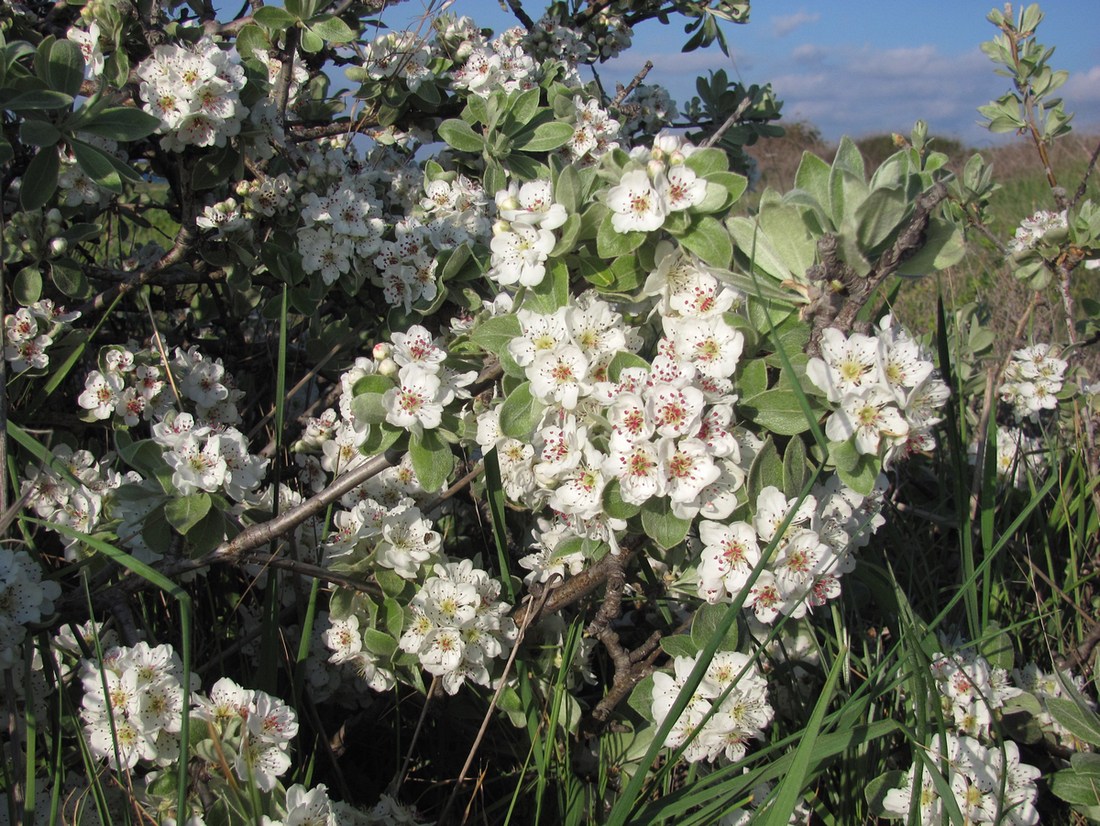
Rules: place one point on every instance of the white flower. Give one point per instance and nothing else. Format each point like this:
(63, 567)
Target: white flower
(635, 204)
(101, 394)
(847, 363)
(681, 188)
(418, 402)
(519, 254)
(559, 376)
(870, 415)
(730, 552)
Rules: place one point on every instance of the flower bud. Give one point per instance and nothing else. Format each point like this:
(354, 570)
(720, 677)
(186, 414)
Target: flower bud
(58, 246)
(388, 368)
(382, 351)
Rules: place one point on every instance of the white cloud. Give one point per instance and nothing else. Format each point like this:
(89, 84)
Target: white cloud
(787, 23)
(870, 90)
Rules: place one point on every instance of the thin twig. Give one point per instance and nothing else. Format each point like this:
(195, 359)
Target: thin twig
(624, 91)
(261, 534)
(742, 107)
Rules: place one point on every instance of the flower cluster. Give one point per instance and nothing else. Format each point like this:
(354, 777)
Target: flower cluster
(255, 730)
(1031, 231)
(656, 184)
(425, 384)
(971, 690)
(1032, 381)
(808, 557)
(457, 625)
(733, 693)
(502, 63)
(343, 224)
(885, 390)
(402, 55)
(195, 93)
(524, 237)
(595, 132)
(72, 490)
(976, 776)
(132, 707)
(30, 331)
(24, 598)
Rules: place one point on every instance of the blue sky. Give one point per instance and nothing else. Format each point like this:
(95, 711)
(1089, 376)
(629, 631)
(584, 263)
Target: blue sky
(861, 66)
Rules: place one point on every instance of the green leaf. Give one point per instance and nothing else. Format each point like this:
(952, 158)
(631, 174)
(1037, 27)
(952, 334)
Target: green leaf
(367, 404)
(96, 165)
(524, 105)
(545, 137)
(707, 160)
(378, 643)
(641, 698)
(1080, 783)
(520, 413)
(461, 136)
(662, 525)
(1079, 720)
(754, 379)
(862, 477)
(610, 243)
(38, 133)
(185, 512)
(813, 177)
(679, 645)
(273, 17)
(880, 215)
(623, 359)
(214, 168)
(766, 470)
(121, 123)
(944, 246)
(27, 288)
(432, 459)
(380, 437)
(795, 470)
(311, 41)
(708, 619)
(37, 100)
(40, 179)
(493, 335)
(613, 503)
(777, 410)
(708, 239)
(331, 28)
(64, 67)
(567, 189)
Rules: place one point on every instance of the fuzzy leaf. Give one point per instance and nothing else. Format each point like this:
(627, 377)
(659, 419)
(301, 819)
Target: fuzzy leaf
(185, 512)
(662, 525)
(520, 413)
(461, 136)
(708, 239)
(432, 459)
(545, 137)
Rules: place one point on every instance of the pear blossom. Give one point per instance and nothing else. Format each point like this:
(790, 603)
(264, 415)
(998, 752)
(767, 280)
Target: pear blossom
(636, 205)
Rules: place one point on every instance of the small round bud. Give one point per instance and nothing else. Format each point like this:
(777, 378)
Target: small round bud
(388, 367)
